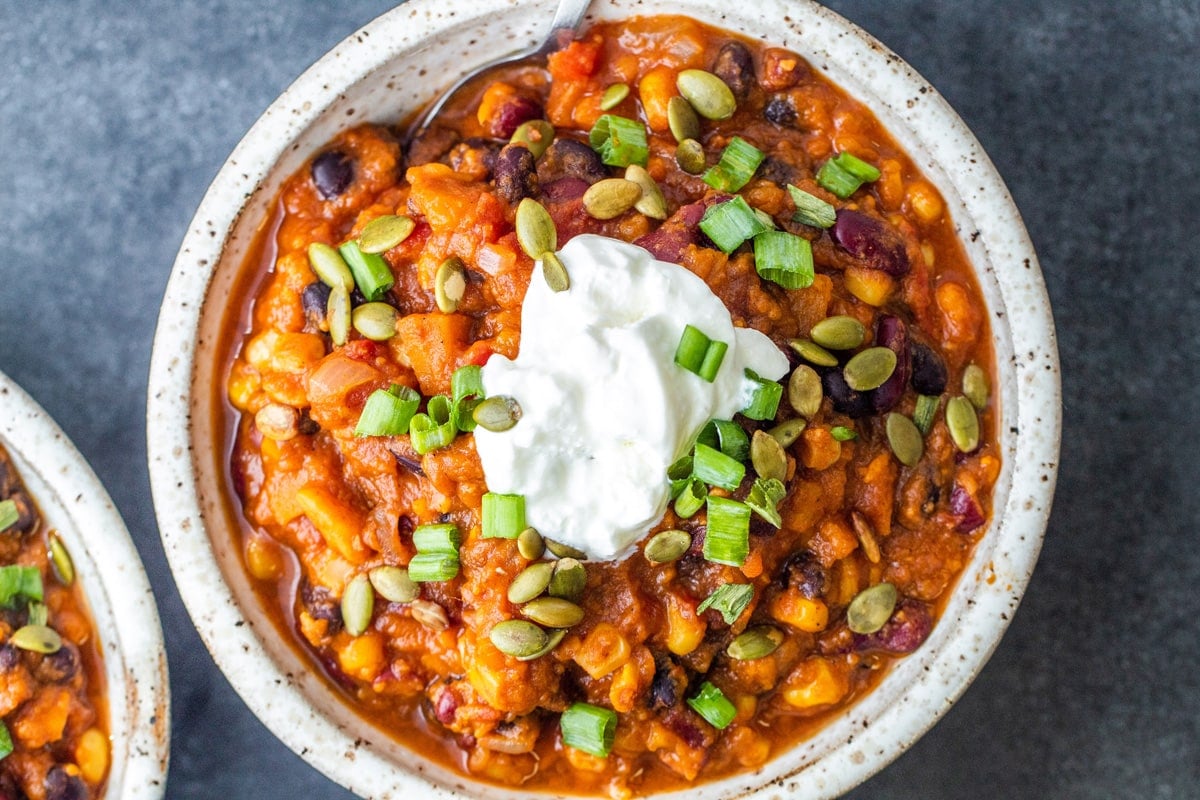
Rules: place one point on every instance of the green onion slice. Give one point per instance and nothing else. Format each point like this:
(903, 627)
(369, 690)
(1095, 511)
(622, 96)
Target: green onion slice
(434, 429)
(443, 537)
(467, 381)
(731, 223)
(717, 469)
(842, 433)
(811, 210)
(844, 173)
(388, 412)
(784, 258)
(691, 499)
(9, 514)
(463, 413)
(726, 436)
(372, 275)
(737, 165)
(433, 567)
(731, 600)
(503, 515)
(680, 475)
(589, 728)
(699, 354)
(19, 582)
(764, 397)
(6, 742)
(712, 704)
(728, 537)
(620, 141)
(764, 498)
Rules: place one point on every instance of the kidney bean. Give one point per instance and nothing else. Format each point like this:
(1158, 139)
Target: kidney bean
(964, 505)
(564, 189)
(873, 242)
(735, 66)
(445, 705)
(845, 400)
(892, 333)
(907, 630)
(516, 173)
(332, 173)
(779, 111)
(62, 785)
(569, 157)
(781, 69)
(929, 374)
(511, 113)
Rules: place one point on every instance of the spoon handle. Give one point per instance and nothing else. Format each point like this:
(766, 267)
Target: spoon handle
(567, 16)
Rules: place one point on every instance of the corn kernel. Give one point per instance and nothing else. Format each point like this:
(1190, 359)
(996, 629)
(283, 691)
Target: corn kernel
(685, 630)
(872, 286)
(603, 650)
(815, 683)
(92, 754)
(361, 657)
(925, 203)
(625, 689)
(807, 614)
(263, 559)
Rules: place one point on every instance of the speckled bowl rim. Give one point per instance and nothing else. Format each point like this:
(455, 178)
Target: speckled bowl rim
(914, 694)
(118, 594)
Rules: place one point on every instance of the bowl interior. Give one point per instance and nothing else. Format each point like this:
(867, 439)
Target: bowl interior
(115, 588)
(383, 73)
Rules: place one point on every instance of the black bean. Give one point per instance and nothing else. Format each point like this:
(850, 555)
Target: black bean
(9, 658)
(570, 157)
(60, 666)
(804, 573)
(332, 173)
(314, 299)
(62, 785)
(845, 400)
(669, 683)
(320, 603)
(929, 374)
(779, 111)
(735, 66)
(876, 244)
(778, 171)
(892, 333)
(516, 173)
(307, 425)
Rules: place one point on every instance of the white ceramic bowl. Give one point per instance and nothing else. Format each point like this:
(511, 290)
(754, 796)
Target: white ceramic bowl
(74, 503)
(385, 71)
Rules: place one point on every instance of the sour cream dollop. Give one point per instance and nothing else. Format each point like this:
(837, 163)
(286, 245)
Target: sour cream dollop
(605, 408)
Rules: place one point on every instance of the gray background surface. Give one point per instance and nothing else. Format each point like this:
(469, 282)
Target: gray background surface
(114, 117)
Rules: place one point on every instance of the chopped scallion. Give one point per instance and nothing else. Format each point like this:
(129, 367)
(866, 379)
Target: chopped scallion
(784, 258)
(466, 381)
(428, 435)
(844, 173)
(737, 165)
(728, 538)
(19, 582)
(731, 600)
(388, 412)
(726, 436)
(680, 475)
(9, 514)
(503, 515)
(620, 141)
(811, 210)
(717, 469)
(764, 498)
(6, 742)
(842, 433)
(699, 354)
(712, 704)
(432, 567)
(372, 275)
(731, 223)
(690, 499)
(764, 397)
(589, 728)
(442, 537)
(713, 357)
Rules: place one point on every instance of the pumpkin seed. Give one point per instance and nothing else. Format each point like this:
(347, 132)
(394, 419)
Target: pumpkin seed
(788, 431)
(927, 406)
(536, 134)
(337, 311)
(450, 284)
(804, 391)
(553, 612)
(530, 582)
(60, 557)
(554, 273)
(975, 386)
(709, 95)
(375, 321)
(813, 353)
(429, 614)
(497, 413)
(666, 546)
(838, 333)
(383, 233)
(37, 639)
(611, 197)
(866, 537)
(613, 95)
(871, 608)
(393, 584)
(870, 368)
(551, 642)
(963, 423)
(569, 579)
(518, 638)
(560, 550)
(530, 544)
(905, 439)
(328, 265)
(358, 603)
(651, 203)
(689, 155)
(682, 119)
(767, 456)
(758, 642)
(535, 228)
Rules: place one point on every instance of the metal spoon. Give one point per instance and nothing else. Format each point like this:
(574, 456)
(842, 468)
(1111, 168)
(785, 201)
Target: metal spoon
(566, 18)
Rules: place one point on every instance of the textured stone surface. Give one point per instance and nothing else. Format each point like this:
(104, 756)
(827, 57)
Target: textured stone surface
(115, 116)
